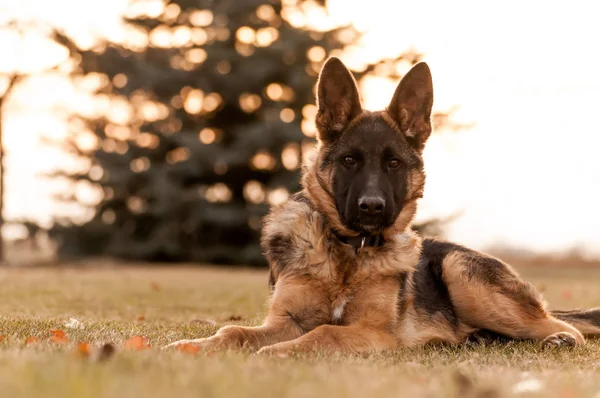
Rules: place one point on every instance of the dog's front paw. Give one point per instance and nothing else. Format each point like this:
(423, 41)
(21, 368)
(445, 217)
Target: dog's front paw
(196, 342)
(280, 350)
(560, 339)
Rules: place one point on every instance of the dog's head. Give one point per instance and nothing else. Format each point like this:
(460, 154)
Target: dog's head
(368, 171)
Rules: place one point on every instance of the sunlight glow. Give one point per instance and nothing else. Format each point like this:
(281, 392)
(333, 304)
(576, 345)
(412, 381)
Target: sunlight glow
(266, 12)
(266, 36)
(194, 101)
(218, 193)
(245, 35)
(207, 136)
(140, 165)
(287, 115)
(201, 18)
(263, 160)
(254, 192)
(250, 102)
(278, 196)
(290, 156)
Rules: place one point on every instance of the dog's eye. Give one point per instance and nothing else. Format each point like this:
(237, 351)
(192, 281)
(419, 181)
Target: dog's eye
(394, 164)
(350, 160)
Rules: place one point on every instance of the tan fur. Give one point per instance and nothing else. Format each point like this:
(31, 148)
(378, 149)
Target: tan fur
(415, 188)
(416, 330)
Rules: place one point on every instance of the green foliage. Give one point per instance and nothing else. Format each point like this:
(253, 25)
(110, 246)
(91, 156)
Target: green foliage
(218, 117)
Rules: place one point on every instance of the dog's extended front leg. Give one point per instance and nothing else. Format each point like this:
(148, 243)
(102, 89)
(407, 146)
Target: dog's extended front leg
(293, 295)
(274, 330)
(331, 338)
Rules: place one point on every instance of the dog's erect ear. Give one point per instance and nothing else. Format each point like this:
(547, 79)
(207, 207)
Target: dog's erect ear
(411, 105)
(337, 98)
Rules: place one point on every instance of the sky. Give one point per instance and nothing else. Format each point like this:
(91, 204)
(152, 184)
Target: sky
(524, 73)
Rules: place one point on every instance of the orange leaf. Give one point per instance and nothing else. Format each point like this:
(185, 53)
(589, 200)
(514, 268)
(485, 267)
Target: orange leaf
(59, 337)
(137, 343)
(32, 340)
(188, 348)
(2, 338)
(141, 318)
(155, 286)
(84, 349)
(59, 340)
(58, 333)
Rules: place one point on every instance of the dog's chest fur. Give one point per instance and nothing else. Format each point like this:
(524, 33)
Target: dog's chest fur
(300, 246)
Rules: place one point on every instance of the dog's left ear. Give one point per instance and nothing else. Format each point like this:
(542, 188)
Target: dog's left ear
(411, 105)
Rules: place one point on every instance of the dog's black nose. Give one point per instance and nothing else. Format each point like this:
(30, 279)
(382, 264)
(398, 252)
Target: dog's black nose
(371, 205)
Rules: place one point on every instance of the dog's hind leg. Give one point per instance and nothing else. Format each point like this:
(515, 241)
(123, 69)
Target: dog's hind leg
(488, 294)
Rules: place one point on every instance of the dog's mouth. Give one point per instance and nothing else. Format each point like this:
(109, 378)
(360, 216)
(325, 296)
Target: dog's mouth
(365, 224)
(370, 228)
(368, 225)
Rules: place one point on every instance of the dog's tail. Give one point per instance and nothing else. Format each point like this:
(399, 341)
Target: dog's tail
(586, 321)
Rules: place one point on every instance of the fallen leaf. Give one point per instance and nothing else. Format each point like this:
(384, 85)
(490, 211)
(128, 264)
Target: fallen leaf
(155, 286)
(32, 340)
(188, 348)
(567, 295)
(74, 323)
(204, 322)
(58, 336)
(2, 338)
(106, 352)
(137, 343)
(234, 318)
(58, 333)
(84, 350)
(141, 318)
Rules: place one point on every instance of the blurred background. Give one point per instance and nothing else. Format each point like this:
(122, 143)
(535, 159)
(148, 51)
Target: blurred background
(156, 130)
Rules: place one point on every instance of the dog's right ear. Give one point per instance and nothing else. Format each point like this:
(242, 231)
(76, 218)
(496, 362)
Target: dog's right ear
(337, 98)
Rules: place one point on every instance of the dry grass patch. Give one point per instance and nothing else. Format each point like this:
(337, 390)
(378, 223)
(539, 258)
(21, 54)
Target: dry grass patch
(166, 304)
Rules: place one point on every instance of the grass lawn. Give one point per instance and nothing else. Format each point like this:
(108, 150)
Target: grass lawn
(167, 304)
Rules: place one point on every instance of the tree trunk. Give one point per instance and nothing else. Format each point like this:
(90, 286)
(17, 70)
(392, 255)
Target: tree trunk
(2, 178)
(12, 82)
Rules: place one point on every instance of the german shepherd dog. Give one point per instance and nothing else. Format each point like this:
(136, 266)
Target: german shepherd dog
(347, 274)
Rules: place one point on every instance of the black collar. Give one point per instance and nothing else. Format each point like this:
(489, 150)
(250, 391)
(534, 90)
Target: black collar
(360, 241)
